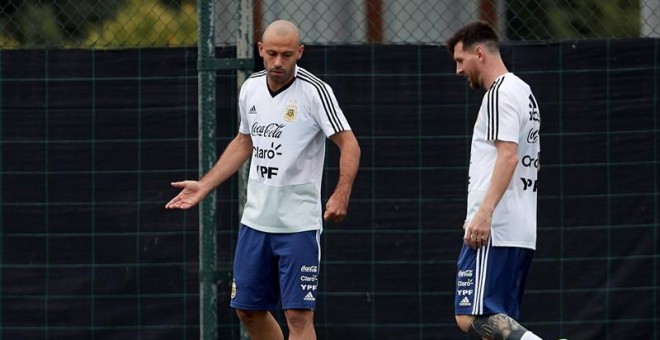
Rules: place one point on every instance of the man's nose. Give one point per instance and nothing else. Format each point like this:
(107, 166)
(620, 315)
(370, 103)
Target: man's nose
(278, 61)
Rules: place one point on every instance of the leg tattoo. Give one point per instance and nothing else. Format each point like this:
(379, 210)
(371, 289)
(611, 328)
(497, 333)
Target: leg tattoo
(495, 327)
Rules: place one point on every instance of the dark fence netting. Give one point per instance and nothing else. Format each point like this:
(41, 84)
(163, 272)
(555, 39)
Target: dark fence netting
(90, 141)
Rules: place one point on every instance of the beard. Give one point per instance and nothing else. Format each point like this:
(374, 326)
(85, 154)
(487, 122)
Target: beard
(476, 85)
(278, 75)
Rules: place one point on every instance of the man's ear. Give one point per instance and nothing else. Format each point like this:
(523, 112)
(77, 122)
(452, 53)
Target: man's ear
(301, 48)
(479, 51)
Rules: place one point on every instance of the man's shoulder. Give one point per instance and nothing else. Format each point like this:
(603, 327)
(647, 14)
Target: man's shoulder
(513, 83)
(257, 74)
(310, 78)
(254, 78)
(511, 88)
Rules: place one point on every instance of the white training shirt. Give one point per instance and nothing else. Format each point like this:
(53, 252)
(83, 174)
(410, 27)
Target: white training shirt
(509, 112)
(288, 130)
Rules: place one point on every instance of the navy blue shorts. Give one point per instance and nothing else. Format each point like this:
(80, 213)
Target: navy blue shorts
(272, 267)
(491, 280)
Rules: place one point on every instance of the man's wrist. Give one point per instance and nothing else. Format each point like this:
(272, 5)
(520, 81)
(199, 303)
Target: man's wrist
(486, 209)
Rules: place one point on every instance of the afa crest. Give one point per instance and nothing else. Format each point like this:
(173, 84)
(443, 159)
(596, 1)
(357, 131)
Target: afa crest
(291, 112)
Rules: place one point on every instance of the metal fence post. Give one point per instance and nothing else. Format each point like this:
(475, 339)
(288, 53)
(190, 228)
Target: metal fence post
(244, 51)
(207, 157)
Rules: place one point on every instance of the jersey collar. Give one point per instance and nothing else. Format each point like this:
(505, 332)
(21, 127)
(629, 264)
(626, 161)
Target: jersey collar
(498, 78)
(275, 93)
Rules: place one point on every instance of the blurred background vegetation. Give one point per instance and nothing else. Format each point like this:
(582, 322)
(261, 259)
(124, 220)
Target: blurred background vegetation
(156, 23)
(97, 23)
(572, 19)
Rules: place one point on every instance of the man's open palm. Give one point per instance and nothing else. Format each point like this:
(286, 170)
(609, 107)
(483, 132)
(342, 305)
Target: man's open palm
(191, 194)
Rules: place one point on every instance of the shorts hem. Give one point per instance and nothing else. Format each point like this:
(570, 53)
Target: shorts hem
(282, 230)
(299, 307)
(251, 307)
(485, 312)
(510, 244)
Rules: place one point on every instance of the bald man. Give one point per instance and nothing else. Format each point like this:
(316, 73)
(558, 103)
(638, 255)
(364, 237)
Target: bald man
(286, 115)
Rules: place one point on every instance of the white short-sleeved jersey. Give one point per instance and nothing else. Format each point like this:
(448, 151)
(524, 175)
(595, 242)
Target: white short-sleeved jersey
(508, 112)
(288, 130)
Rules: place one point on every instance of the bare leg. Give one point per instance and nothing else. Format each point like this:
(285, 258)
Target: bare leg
(261, 325)
(301, 324)
(464, 322)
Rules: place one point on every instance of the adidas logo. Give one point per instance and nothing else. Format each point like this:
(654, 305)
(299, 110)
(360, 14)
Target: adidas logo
(253, 110)
(309, 297)
(465, 302)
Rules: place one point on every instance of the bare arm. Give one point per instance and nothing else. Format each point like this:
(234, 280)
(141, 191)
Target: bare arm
(349, 161)
(236, 153)
(478, 231)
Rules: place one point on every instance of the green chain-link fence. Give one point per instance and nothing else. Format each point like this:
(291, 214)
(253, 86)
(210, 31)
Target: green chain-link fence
(146, 23)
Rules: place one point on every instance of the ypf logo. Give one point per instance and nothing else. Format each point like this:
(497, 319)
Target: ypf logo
(267, 171)
(529, 184)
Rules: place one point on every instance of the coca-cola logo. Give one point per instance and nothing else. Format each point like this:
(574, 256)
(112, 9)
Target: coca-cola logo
(533, 136)
(272, 130)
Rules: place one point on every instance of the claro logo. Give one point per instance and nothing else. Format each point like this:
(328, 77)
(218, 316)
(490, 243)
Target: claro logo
(528, 161)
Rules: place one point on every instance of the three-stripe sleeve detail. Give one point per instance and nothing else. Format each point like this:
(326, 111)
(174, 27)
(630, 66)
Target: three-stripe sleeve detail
(326, 98)
(258, 74)
(494, 110)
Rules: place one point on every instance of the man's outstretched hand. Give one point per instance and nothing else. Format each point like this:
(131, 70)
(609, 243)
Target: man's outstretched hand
(190, 196)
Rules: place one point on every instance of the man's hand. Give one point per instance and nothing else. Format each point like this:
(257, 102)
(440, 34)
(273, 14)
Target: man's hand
(478, 231)
(236, 153)
(349, 160)
(336, 208)
(190, 196)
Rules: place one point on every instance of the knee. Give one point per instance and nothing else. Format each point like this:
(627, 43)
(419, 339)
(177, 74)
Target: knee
(464, 322)
(299, 319)
(249, 316)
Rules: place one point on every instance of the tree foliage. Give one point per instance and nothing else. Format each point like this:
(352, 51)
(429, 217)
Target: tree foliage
(148, 23)
(572, 19)
(89, 23)
(527, 20)
(595, 19)
(131, 23)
